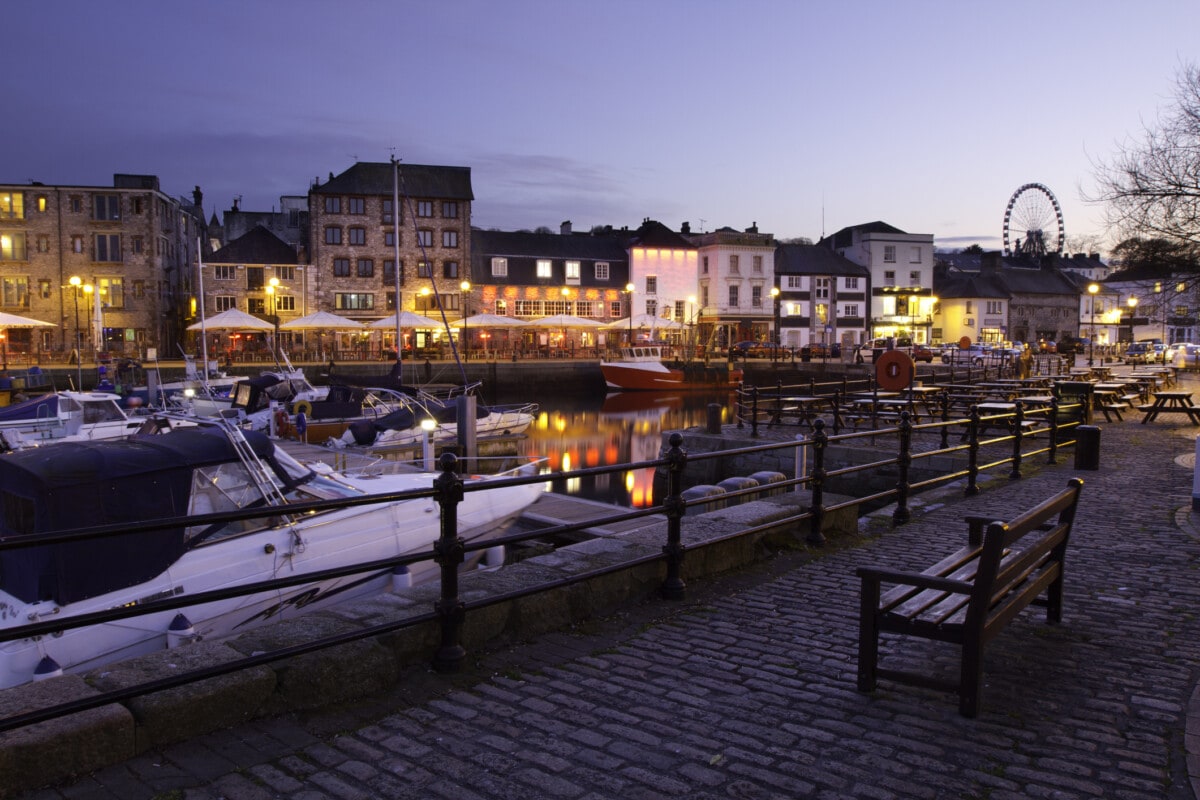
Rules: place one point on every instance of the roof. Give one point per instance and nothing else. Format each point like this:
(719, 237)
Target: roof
(416, 180)
(845, 237)
(971, 285)
(814, 259)
(259, 246)
(653, 233)
(602, 247)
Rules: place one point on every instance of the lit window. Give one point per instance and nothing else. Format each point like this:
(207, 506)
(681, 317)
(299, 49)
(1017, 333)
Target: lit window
(354, 301)
(12, 205)
(601, 270)
(573, 273)
(544, 268)
(500, 267)
(12, 246)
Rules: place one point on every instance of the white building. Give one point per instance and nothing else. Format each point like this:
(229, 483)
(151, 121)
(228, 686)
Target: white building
(737, 273)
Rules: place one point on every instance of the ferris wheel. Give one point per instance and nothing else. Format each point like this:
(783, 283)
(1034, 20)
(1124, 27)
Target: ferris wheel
(1035, 217)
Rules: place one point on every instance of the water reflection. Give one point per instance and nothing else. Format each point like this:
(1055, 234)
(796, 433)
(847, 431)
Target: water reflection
(574, 432)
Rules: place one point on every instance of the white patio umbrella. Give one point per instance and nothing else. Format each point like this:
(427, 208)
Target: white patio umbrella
(564, 321)
(16, 321)
(645, 322)
(489, 321)
(407, 320)
(231, 320)
(322, 320)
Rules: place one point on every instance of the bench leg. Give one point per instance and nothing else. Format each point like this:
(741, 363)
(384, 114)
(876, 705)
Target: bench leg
(868, 636)
(970, 681)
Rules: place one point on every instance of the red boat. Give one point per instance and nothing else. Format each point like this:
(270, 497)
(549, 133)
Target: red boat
(642, 368)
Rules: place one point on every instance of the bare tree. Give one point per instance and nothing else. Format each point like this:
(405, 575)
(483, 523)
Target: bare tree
(1152, 188)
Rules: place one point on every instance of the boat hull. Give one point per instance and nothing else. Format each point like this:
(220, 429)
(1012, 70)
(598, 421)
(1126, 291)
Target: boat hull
(656, 377)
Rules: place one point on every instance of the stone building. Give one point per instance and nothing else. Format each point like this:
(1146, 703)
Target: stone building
(369, 258)
(129, 243)
(823, 297)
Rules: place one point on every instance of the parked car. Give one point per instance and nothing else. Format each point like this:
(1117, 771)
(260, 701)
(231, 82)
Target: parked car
(920, 352)
(1140, 353)
(975, 355)
(760, 350)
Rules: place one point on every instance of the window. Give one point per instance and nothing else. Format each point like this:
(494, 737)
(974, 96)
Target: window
(733, 296)
(225, 272)
(970, 309)
(14, 292)
(914, 255)
(255, 278)
(545, 268)
(389, 301)
(424, 269)
(389, 270)
(850, 310)
(43, 243)
(285, 302)
(449, 238)
(389, 238)
(914, 278)
(424, 208)
(387, 211)
(756, 296)
(333, 205)
(76, 243)
(889, 254)
(703, 296)
(572, 273)
(502, 307)
(224, 302)
(137, 244)
(353, 301)
(450, 269)
(41, 203)
(112, 292)
(499, 267)
(426, 302)
(366, 268)
(889, 278)
(106, 207)
(108, 247)
(450, 209)
(851, 283)
(793, 282)
(651, 284)
(356, 205)
(256, 305)
(425, 238)
(358, 236)
(12, 246)
(285, 273)
(652, 308)
(821, 288)
(76, 203)
(333, 235)
(615, 308)
(601, 270)
(733, 265)
(757, 265)
(341, 268)
(139, 205)
(44, 289)
(139, 290)
(12, 205)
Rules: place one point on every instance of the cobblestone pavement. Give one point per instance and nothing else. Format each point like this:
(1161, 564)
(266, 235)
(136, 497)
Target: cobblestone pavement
(747, 688)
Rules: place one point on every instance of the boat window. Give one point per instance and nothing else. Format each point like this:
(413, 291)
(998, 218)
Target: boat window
(225, 487)
(18, 513)
(107, 411)
(307, 484)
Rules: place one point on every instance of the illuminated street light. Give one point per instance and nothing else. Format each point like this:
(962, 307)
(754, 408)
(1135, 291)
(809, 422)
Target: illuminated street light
(1092, 289)
(466, 336)
(272, 288)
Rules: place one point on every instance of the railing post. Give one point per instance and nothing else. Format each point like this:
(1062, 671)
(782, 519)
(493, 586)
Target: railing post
(945, 404)
(740, 404)
(1052, 451)
(972, 452)
(1018, 423)
(448, 553)
(837, 409)
(754, 411)
(673, 587)
(903, 460)
(778, 402)
(817, 485)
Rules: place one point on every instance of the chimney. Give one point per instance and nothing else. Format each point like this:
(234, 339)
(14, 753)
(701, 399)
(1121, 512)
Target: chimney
(685, 228)
(753, 228)
(198, 197)
(565, 228)
(989, 262)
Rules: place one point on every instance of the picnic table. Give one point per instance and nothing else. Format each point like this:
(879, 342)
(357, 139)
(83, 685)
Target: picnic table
(1171, 402)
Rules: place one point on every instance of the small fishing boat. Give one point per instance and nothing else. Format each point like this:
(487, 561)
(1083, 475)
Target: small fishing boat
(641, 368)
(194, 470)
(67, 415)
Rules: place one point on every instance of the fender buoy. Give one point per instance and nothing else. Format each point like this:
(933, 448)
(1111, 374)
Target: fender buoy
(281, 421)
(303, 407)
(894, 370)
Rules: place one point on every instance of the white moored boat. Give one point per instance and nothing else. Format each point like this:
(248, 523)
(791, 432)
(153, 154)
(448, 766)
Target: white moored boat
(190, 471)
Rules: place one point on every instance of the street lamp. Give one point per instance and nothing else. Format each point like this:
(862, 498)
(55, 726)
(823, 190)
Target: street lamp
(775, 300)
(75, 282)
(272, 287)
(629, 287)
(1092, 289)
(466, 336)
(88, 291)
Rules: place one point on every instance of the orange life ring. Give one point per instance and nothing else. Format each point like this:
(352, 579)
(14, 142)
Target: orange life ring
(282, 424)
(894, 370)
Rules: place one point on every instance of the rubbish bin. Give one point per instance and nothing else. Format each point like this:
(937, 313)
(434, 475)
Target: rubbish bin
(806, 354)
(1087, 447)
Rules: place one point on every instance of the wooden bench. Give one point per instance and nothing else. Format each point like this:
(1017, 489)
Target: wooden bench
(968, 597)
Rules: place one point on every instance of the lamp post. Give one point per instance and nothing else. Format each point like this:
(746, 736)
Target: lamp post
(629, 287)
(1132, 303)
(88, 290)
(466, 336)
(692, 337)
(75, 282)
(272, 287)
(775, 301)
(1092, 289)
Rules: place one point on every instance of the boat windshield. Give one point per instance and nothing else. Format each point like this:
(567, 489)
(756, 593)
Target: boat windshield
(309, 484)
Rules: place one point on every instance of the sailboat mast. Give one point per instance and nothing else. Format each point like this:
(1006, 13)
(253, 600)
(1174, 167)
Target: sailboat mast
(396, 262)
(200, 299)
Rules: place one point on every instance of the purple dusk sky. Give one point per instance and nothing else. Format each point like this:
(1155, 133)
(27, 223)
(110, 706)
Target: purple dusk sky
(801, 116)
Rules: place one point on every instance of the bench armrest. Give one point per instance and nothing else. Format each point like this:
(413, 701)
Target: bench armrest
(919, 580)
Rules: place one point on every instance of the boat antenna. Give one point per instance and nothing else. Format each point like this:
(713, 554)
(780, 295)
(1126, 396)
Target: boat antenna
(437, 298)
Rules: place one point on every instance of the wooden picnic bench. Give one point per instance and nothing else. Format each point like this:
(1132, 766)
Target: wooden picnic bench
(968, 597)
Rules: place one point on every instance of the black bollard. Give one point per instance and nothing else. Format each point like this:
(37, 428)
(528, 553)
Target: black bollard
(1087, 447)
(714, 418)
